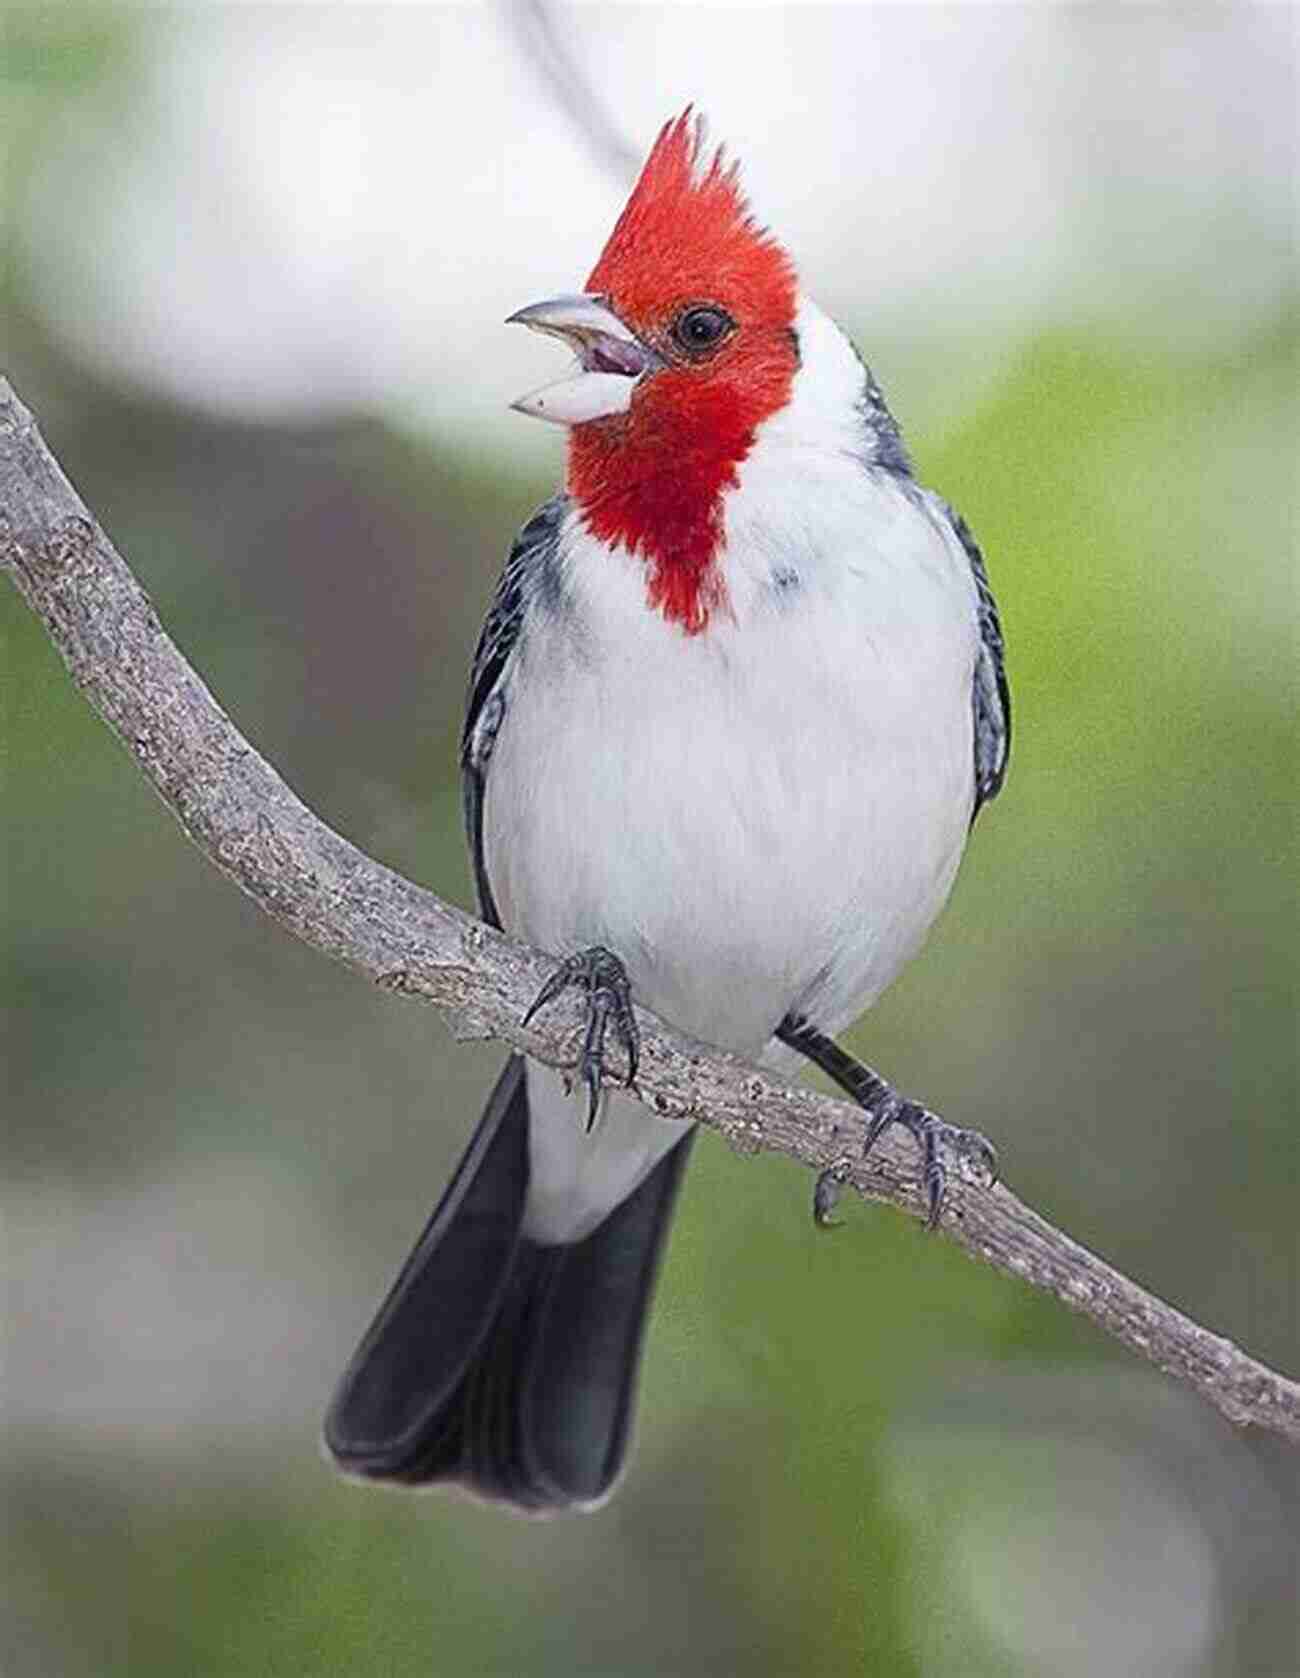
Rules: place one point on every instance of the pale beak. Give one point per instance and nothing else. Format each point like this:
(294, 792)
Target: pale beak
(610, 361)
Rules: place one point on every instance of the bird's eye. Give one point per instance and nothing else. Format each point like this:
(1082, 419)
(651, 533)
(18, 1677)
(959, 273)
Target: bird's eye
(701, 328)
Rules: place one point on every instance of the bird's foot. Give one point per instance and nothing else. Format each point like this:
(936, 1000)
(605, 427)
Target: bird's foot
(609, 996)
(884, 1106)
(974, 1153)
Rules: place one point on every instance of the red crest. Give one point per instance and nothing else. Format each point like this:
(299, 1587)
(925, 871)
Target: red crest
(653, 480)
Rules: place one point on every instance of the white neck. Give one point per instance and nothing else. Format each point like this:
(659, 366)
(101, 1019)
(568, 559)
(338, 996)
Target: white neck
(825, 406)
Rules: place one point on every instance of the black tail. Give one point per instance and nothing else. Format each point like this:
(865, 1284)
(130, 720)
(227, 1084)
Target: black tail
(498, 1363)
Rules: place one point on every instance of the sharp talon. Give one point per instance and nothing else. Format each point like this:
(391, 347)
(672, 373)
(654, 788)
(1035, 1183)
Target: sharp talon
(629, 1036)
(550, 990)
(936, 1184)
(602, 976)
(880, 1123)
(632, 1043)
(931, 1135)
(592, 1077)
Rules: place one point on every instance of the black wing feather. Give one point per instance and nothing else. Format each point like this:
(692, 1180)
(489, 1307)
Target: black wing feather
(991, 694)
(530, 564)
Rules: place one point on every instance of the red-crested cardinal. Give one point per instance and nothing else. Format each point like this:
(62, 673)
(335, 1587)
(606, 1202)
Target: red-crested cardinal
(737, 702)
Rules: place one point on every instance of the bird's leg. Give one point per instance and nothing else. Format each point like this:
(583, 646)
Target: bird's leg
(885, 1106)
(609, 996)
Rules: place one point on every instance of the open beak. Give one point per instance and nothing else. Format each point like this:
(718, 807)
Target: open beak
(610, 360)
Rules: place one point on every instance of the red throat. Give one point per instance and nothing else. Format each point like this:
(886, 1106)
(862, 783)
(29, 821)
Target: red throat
(653, 480)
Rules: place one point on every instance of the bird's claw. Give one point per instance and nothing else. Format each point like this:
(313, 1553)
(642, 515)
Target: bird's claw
(975, 1154)
(609, 996)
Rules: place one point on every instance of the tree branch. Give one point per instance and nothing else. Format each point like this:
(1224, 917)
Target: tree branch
(244, 818)
(546, 47)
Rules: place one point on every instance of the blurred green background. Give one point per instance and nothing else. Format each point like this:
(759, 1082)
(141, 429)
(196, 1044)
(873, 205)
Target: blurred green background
(859, 1454)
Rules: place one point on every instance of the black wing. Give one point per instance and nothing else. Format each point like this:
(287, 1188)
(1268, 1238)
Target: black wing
(528, 570)
(991, 695)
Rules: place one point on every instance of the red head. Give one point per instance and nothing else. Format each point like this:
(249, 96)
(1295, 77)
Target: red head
(696, 349)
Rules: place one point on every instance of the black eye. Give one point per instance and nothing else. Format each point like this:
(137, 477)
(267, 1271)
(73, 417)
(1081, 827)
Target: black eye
(701, 328)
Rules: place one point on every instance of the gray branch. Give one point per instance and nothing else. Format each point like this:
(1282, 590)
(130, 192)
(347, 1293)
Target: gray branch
(547, 48)
(244, 818)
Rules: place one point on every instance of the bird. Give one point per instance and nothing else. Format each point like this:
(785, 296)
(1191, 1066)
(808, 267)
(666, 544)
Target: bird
(738, 699)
